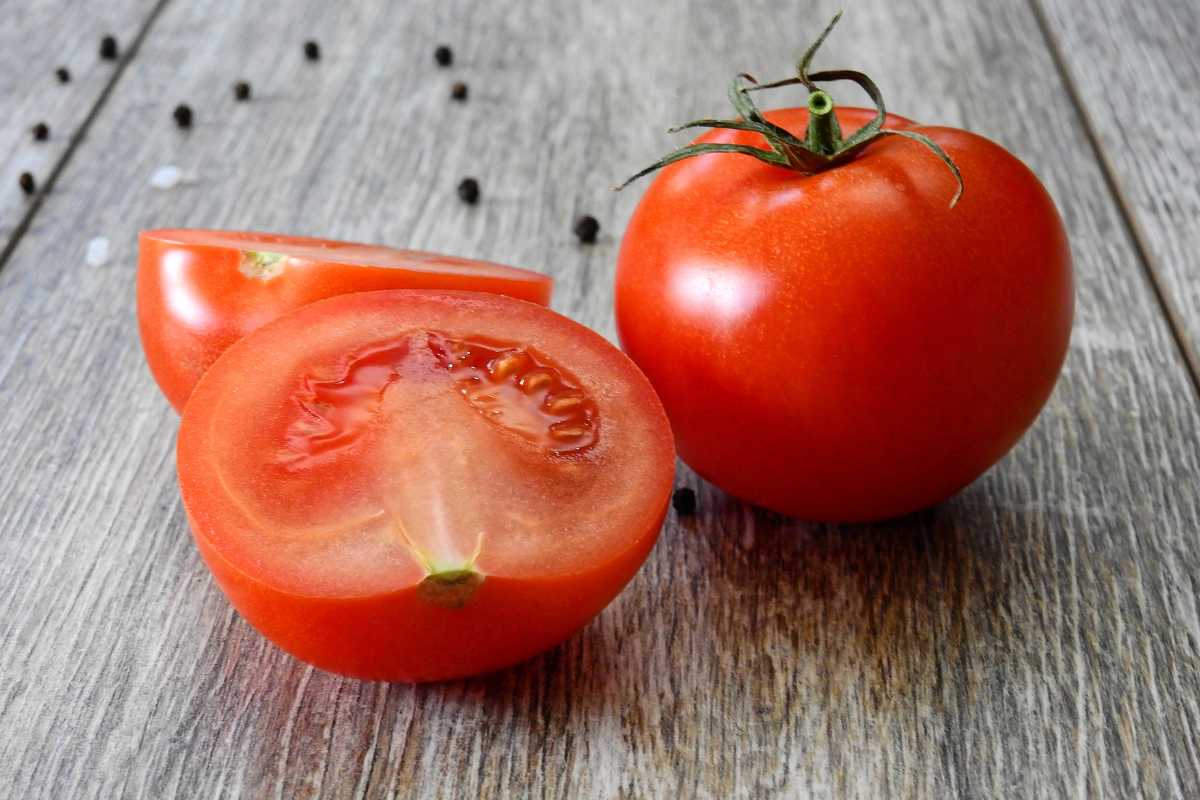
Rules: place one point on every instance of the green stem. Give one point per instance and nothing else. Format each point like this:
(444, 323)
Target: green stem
(824, 133)
(823, 147)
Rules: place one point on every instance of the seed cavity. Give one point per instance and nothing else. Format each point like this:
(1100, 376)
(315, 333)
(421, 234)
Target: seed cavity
(334, 411)
(512, 387)
(261, 265)
(521, 391)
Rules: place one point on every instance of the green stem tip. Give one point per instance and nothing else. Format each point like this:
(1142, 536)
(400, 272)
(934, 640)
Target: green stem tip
(823, 146)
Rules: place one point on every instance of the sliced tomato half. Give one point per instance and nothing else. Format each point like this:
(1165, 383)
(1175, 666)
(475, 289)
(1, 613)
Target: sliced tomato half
(416, 485)
(199, 291)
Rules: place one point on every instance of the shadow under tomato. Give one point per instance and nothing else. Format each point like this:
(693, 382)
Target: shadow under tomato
(885, 611)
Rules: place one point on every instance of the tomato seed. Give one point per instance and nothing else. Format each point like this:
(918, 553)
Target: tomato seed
(63, 74)
(41, 132)
(183, 115)
(312, 50)
(458, 91)
(586, 228)
(505, 364)
(108, 48)
(241, 91)
(560, 404)
(684, 501)
(443, 55)
(568, 431)
(537, 379)
(468, 191)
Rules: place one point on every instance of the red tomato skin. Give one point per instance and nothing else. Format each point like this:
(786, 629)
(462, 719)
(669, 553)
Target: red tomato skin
(844, 346)
(194, 301)
(372, 637)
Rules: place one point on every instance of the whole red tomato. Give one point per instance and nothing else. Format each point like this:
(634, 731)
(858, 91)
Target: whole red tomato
(844, 345)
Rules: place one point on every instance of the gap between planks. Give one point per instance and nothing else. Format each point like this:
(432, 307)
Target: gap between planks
(78, 135)
(1133, 229)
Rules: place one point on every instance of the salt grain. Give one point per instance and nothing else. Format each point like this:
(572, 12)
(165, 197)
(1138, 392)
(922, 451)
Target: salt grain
(166, 177)
(97, 251)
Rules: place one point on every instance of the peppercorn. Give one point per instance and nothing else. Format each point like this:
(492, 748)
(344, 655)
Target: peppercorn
(586, 228)
(312, 50)
(684, 501)
(458, 91)
(241, 91)
(183, 115)
(108, 48)
(27, 183)
(41, 132)
(443, 55)
(468, 191)
(63, 74)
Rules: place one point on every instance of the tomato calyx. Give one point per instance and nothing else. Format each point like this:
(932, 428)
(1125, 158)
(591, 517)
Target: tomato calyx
(823, 146)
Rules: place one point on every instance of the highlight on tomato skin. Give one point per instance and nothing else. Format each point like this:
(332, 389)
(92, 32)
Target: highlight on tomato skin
(199, 290)
(416, 485)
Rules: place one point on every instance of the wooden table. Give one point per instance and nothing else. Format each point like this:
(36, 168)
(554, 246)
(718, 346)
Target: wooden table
(1037, 636)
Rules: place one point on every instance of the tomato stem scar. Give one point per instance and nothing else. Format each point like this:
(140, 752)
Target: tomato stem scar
(261, 264)
(823, 147)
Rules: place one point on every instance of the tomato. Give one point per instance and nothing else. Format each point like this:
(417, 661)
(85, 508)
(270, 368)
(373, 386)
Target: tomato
(200, 291)
(414, 485)
(845, 345)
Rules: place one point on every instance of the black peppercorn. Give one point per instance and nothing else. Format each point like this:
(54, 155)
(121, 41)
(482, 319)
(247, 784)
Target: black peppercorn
(312, 50)
(241, 91)
(586, 228)
(41, 132)
(27, 183)
(458, 91)
(63, 74)
(443, 55)
(108, 48)
(183, 115)
(684, 501)
(468, 191)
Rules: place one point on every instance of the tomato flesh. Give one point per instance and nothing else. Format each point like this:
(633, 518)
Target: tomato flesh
(414, 485)
(199, 291)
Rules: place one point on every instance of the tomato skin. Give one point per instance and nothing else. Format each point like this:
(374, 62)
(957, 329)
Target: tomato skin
(845, 346)
(372, 637)
(394, 632)
(194, 301)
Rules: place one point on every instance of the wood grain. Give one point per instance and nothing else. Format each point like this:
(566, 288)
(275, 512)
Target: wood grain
(1037, 636)
(36, 39)
(1136, 71)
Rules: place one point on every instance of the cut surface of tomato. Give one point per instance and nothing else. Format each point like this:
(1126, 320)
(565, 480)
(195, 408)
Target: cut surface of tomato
(414, 485)
(199, 291)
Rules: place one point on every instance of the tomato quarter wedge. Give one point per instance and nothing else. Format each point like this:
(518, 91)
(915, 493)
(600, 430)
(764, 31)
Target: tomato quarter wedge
(416, 485)
(199, 291)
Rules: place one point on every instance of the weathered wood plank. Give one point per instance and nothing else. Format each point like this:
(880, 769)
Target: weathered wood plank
(37, 38)
(1037, 636)
(1136, 71)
